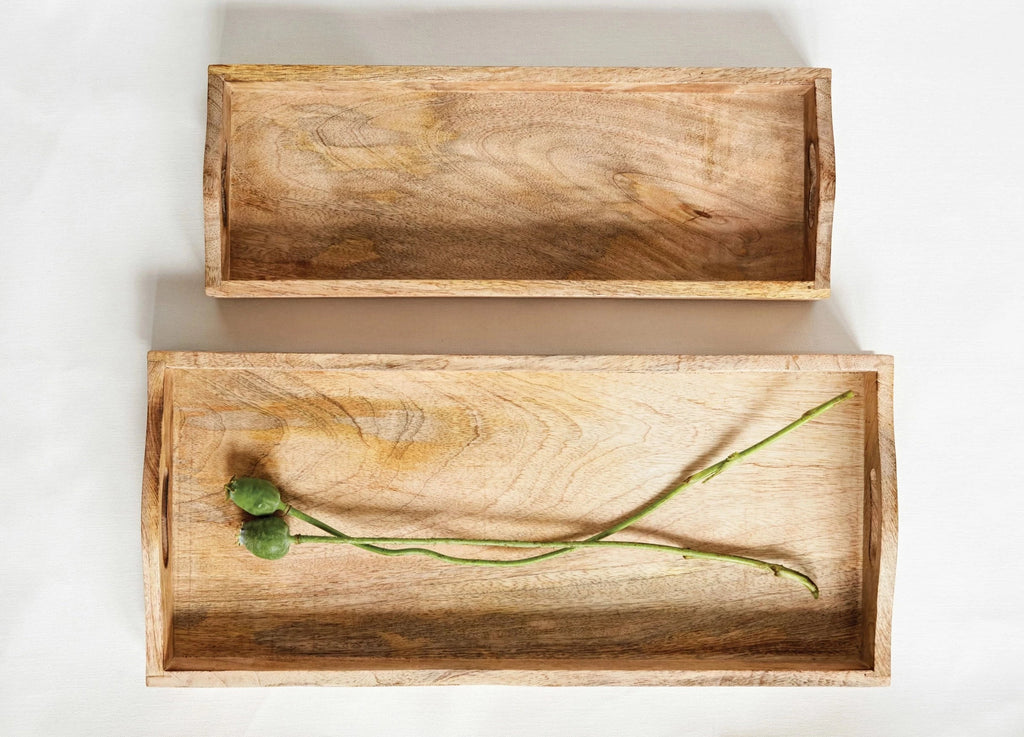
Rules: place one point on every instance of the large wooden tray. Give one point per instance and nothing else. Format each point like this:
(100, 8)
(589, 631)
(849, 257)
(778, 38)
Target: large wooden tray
(419, 181)
(526, 448)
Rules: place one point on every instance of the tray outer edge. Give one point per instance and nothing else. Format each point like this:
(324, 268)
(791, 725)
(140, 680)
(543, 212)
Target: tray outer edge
(155, 572)
(826, 195)
(518, 678)
(214, 194)
(887, 511)
(775, 290)
(517, 74)
(855, 362)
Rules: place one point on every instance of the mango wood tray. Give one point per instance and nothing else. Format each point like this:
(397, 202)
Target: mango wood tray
(604, 182)
(521, 447)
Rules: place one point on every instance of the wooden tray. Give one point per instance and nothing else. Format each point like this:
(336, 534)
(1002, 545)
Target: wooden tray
(462, 181)
(527, 448)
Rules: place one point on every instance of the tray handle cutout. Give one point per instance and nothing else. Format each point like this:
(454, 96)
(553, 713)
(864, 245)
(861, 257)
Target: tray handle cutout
(812, 185)
(165, 533)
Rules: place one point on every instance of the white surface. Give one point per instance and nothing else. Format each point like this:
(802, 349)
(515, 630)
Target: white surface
(102, 118)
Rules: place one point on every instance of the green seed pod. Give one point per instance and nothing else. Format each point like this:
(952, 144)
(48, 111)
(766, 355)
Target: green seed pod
(255, 496)
(266, 537)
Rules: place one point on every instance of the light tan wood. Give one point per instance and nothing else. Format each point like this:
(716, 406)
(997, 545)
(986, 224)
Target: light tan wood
(521, 288)
(215, 163)
(802, 675)
(419, 181)
(882, 513)
(522, 447)
(821, 187)
(486, 77)
(155, 543)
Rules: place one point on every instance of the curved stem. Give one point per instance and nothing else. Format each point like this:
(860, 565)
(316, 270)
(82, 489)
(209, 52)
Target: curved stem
(701, 476)
(775, 568)
(293, 512)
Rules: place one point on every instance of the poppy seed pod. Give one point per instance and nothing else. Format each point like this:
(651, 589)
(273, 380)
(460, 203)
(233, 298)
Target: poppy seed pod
(255, 496)
(266, 537)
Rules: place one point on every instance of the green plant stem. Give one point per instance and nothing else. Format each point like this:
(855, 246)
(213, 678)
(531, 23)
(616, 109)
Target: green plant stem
(700, 477)
(775, 568)
(293, 512)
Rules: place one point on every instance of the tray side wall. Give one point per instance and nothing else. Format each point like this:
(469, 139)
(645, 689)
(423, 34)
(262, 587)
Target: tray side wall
(823, 156)
(880, 554)
(869, 591)
(215, 199)
(157, 579)
(628, 76)
(464, 362)
(445, 677)
(519, 288)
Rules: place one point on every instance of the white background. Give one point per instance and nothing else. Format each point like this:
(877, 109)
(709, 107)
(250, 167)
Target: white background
(102, 120)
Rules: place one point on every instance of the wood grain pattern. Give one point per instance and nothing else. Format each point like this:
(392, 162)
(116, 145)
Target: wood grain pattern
(821, 187)
(385, 181)
(520, 447)
(215, 221)
(155, 564)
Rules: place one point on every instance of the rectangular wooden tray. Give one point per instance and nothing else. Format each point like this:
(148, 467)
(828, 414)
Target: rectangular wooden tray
(520, 447)
(518, 181)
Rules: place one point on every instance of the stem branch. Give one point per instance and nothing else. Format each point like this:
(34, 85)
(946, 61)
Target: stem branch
(775, 568)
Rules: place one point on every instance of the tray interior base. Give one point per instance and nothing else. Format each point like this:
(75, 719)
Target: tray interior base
(454, 178)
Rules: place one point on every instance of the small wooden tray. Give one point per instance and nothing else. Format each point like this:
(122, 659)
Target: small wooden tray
(525, 448)
(462, 181)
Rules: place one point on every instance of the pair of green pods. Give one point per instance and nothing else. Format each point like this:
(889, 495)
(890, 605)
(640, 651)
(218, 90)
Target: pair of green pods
(266, 535)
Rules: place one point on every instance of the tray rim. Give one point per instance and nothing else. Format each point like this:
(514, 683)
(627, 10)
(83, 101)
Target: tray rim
(820, 178)
(881, 523)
